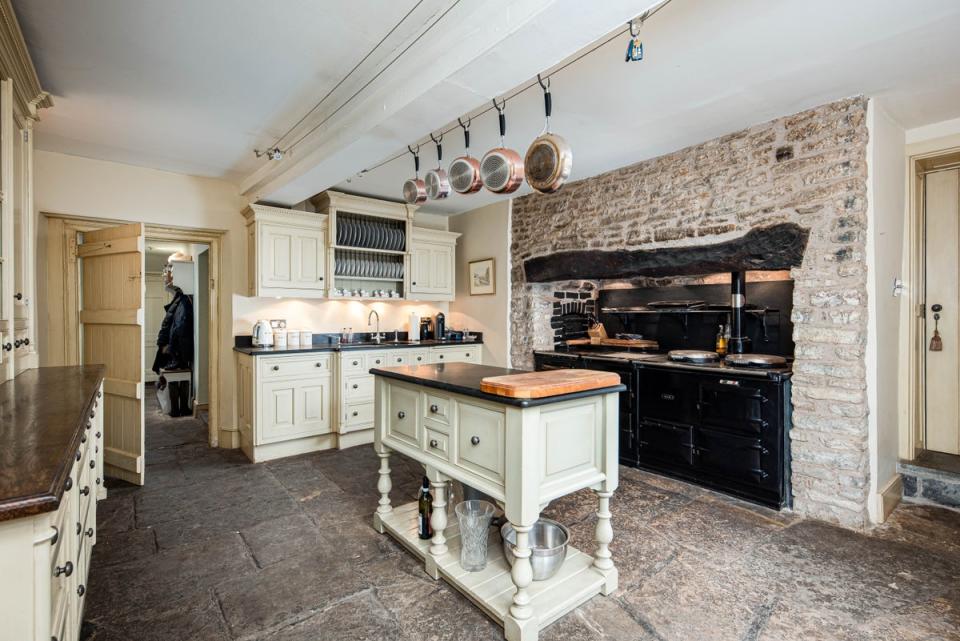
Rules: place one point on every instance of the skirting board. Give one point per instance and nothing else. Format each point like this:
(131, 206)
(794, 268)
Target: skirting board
(352, 439)
(271, 451)
(884, 501)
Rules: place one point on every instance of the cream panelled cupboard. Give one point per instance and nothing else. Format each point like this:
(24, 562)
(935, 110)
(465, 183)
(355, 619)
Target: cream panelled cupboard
(349, 248)
(307, 401)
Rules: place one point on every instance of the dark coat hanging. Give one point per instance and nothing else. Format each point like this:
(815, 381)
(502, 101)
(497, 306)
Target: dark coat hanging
(175, 340)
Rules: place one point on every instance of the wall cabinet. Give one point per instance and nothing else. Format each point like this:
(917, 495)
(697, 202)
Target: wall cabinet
(432, 264)
(286, 252)
(303, 402)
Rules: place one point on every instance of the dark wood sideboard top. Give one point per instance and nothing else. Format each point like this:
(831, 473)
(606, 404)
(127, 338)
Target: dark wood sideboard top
(43, 413)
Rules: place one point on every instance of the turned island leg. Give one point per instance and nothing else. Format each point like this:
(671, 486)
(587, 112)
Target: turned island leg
(384, 485)
(438, 520)
(602, 559)
(520, 625)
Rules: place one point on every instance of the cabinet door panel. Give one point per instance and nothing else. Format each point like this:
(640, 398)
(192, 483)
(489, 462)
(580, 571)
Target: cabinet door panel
(276, 256)
(481, 433)
(441, 257)
(313, 407)
(403, 422)
(278, 413)
(308, 260)
(420, 259)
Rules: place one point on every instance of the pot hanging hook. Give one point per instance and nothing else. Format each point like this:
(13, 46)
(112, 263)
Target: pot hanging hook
(635, 46)
(416, 160)
(466, 133)
(547, 103)
(501, 118)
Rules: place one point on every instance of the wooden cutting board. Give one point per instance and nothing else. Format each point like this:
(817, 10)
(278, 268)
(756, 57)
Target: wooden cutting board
(550, 383)
(616, 342)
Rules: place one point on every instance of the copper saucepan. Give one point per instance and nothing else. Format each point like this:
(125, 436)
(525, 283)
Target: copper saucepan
(464, 171)
(549, 159)
(438, 185)
(501, 169)
(414, 189)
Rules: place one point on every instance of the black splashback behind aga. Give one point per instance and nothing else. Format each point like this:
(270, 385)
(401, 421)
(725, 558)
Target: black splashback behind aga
(767, 321)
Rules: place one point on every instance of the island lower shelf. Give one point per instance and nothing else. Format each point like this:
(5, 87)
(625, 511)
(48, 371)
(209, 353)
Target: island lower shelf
(492, 589)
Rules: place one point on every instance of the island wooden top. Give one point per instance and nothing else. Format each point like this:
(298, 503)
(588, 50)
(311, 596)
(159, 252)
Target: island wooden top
(43, 412)
(467, 379)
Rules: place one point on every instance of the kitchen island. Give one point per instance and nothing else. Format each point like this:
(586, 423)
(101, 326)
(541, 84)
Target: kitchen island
(524, 453)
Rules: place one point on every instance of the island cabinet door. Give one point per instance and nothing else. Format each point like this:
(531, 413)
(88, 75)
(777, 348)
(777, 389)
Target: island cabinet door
(403, 422)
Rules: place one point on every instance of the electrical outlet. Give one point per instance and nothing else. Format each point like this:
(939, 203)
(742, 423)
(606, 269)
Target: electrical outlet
(897, 287)
(278, 323)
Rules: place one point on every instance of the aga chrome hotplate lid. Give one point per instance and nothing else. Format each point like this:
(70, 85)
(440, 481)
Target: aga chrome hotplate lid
(755, 360)
(692, 356)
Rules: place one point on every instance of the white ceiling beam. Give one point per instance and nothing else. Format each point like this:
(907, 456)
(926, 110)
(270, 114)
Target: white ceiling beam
(467, 31)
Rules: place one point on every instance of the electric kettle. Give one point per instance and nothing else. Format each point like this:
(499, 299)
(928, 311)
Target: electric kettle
(263, 334)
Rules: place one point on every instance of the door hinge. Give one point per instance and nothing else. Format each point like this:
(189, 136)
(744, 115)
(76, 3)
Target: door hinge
(921, 310)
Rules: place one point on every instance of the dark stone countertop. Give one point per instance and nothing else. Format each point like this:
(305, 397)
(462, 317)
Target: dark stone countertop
(43, 412)
(349, 347)
(465, 378)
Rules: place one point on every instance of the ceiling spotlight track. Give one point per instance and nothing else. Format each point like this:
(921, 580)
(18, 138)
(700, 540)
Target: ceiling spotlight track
(538, 82)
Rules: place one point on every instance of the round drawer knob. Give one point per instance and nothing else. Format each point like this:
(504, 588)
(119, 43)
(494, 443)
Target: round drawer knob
(99, 393)
(93, 464)
(66, 569)
(89, 425)
(399, 360)
(356, 413)
(18, 296)
(86, 490)
(356, 362)
(93, 414)
(81, 590)
(79, 527)
(475, 440)
(468, 354)
(401, 414)
(355, 386)
(441, 356)
(419, 358)
(26, 341)
(83, 438)
(98, 480)
(377, 361)
(89, 532)
(68, 484)
(319, 364)
(98, 434)
(434, 443)
(78, 455)
(434, 409)
(7, 347)
(275, 368)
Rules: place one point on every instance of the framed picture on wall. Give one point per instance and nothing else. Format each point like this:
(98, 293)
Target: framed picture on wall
(482, 277)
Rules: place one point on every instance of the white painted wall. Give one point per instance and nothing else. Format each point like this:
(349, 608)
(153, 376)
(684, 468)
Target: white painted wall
(886, 164)
(485, 234)
(72, 185)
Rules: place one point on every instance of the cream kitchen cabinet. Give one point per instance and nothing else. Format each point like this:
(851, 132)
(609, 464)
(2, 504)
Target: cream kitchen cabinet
(286, 252)
(432, 264)
(285, 404)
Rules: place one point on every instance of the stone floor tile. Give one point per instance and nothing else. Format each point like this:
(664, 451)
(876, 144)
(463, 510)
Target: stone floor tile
(601, 619)
(196, 618)
(286, 592)
(291, 535)
(209, 524)
(113, 548)
(926, 526)
(116, 514)
(638, 553)
(359, 618)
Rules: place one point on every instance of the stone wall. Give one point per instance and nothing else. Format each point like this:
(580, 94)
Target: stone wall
(808, 168)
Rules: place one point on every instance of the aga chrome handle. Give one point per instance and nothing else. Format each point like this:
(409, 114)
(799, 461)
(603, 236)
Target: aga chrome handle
(401, 414)
(475, 440)
(66, 569)
(434, 443)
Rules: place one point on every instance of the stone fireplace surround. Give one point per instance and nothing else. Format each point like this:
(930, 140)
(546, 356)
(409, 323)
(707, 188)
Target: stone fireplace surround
(809, 170)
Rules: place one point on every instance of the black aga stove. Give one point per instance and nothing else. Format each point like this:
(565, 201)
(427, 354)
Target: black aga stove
(688, 413)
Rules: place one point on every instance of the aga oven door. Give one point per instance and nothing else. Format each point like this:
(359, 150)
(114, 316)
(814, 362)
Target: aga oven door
(737, 405)
(668, 396)
(665, 444)
(741, 459)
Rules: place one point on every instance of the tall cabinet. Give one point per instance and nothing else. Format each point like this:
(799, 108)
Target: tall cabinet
(21, 98)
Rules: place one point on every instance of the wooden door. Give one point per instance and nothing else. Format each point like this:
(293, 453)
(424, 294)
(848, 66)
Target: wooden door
(111, 321)
(279, 411)
(942, 392)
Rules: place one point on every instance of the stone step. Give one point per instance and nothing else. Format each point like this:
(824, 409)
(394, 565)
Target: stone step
(923, 484)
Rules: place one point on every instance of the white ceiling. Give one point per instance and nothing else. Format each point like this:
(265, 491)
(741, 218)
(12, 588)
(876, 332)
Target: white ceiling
(194, 86)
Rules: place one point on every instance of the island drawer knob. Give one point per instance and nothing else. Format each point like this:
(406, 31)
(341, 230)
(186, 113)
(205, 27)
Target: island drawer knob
(89, 532)
(98, 480)
(434, 409)
(69, 483)
(99, 393)
(89, 425)
(78, 455)
(433, 442)
(79, 528)
(356, 362)
(65, 570)
(355, 386)
(93, 414)
(401, 414)
(98, 434)
(81, 590)
(93, 464)
(86, 490)
(475, 440)
(275, 368)
(356, 413)
(83, 438)
(319, 364)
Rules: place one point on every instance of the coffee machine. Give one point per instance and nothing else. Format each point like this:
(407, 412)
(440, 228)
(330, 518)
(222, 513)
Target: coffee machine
(425, 328)
(440, 326)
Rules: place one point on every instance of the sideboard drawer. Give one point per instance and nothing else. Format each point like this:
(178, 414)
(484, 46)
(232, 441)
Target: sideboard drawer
(397, 359)
(357, 387)
(378, 359)
(272, 367)
(418, 356)
(355, 414)
(403, 422)
(437, 408)
(436, 443)
(480, 440)
(353, 362)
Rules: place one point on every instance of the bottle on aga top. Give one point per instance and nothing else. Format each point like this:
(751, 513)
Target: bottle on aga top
(439, 326)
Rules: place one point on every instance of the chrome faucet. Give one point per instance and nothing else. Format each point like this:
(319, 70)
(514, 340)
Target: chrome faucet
(377, 337)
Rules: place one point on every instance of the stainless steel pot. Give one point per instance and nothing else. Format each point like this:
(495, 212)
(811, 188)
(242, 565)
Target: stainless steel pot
(548, 543)
(549, 159)
(501, 169)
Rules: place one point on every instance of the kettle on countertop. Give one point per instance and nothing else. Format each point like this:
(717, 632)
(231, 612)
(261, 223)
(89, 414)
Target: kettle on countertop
(263, 334)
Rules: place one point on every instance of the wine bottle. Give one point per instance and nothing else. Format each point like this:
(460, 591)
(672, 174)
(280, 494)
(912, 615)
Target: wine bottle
(425, 509)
